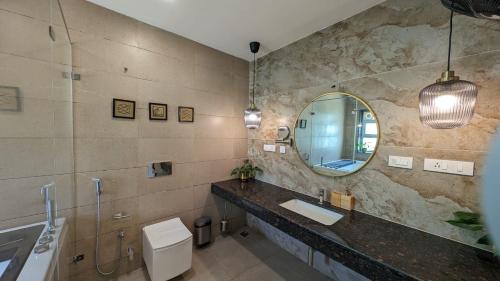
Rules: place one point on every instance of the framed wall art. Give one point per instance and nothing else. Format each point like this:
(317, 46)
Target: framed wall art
(158, 111)
(186, 114)
(123, 109)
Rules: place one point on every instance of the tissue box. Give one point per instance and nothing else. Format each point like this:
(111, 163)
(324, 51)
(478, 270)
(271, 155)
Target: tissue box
(347, 202)
(335, 198)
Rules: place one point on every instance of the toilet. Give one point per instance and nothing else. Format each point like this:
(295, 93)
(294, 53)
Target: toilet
(167, 249)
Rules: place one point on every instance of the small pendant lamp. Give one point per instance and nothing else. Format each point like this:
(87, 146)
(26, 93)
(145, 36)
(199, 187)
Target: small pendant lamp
(450, 102)
(253, 115)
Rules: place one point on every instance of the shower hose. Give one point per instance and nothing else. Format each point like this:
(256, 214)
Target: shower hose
(97, 244)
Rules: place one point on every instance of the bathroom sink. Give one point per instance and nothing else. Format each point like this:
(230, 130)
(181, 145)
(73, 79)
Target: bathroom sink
(311, 211)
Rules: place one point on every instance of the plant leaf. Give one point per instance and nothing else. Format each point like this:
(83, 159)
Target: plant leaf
(473, 218)
(465, 225)
(485, 240)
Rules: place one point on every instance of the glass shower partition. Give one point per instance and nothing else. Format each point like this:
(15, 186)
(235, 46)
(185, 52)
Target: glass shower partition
(36, 112)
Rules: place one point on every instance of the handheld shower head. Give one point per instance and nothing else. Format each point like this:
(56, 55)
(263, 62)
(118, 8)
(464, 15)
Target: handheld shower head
(98, 186)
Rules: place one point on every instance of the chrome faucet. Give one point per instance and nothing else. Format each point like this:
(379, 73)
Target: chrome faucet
(49, 207)
(321, 196)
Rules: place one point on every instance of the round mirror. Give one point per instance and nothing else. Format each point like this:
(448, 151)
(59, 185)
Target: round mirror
(336, 134)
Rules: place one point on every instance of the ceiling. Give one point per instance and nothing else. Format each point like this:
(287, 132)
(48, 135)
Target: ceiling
(229, 25)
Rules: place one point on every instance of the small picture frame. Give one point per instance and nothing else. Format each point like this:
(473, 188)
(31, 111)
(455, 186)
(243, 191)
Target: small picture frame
(302, 123)
(123, 109)
(186, 114)
(10, 99)
(158, 111)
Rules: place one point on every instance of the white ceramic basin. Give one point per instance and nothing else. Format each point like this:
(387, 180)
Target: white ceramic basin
(311, 211)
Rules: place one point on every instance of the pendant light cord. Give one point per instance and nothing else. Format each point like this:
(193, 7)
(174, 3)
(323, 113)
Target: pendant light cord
(254, 76)
(449, 38)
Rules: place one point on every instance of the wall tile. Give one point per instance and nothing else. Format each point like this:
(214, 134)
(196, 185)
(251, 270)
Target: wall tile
(169, 44)
(96, 121)
(165, 203)
(164, 129)
(15, 30)
(33, 77)
(211, 80)
(26, 192)
(116, 184)
(120, 28)
(86, 217)
(203, 196)
(212, 58)
(105, 153)
(213, 149)
(34, 119)
(168, 149)
(25, 157)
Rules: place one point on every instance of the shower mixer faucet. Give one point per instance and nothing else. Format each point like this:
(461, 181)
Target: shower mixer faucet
(49, 207)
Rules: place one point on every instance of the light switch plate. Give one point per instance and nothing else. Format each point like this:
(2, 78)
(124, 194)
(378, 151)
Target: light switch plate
(282, 149)
(270, 147)
(449, 167)
(401, 162)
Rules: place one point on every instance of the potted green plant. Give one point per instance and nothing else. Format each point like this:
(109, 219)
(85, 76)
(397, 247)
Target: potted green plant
(473, 222)
(247, 171)
(470, 221)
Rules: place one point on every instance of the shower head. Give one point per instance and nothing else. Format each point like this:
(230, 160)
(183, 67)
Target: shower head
(98, 186)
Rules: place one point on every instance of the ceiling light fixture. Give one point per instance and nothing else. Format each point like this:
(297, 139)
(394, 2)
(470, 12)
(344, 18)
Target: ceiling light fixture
(448, 103)
(253, 115)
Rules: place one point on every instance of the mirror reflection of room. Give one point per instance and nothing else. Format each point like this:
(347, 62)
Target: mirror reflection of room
(336, 133)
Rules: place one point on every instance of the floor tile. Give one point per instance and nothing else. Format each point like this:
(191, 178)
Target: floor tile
(238, 258)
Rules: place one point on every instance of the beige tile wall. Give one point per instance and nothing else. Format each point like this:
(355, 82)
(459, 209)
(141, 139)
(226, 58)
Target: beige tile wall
(36, 140)
(71, 137)
(119, 57)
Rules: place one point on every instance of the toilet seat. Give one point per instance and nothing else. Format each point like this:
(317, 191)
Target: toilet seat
(166, 234)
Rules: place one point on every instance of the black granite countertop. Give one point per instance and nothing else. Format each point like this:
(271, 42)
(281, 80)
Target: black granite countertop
(377, 248)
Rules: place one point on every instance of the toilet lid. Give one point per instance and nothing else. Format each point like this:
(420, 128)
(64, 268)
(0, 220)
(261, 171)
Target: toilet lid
(166, 233)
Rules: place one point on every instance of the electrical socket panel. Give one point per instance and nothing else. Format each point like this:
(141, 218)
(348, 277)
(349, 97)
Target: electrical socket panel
(270, 147)
(449, 166)
(282, 149)
(400, 162)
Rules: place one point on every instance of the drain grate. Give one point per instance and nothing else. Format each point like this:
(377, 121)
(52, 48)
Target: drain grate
(244, 233)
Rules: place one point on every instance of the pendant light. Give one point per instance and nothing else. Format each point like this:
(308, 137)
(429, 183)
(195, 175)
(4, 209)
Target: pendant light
(449, 103)
(253, 115)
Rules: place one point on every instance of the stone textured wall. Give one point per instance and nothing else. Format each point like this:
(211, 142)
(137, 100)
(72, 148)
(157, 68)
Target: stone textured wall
(386, 55)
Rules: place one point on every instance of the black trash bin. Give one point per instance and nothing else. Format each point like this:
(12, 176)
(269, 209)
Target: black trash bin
(202, 231)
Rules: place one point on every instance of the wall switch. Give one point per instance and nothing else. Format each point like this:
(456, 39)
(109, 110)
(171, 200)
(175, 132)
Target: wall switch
(401, 162)
(270, 147)
(282, 149)
(449, 167)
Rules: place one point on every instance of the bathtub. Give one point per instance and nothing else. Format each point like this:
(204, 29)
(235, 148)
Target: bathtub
(17, 257)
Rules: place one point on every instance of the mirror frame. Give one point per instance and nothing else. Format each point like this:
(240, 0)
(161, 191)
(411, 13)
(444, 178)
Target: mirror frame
(367, 160)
